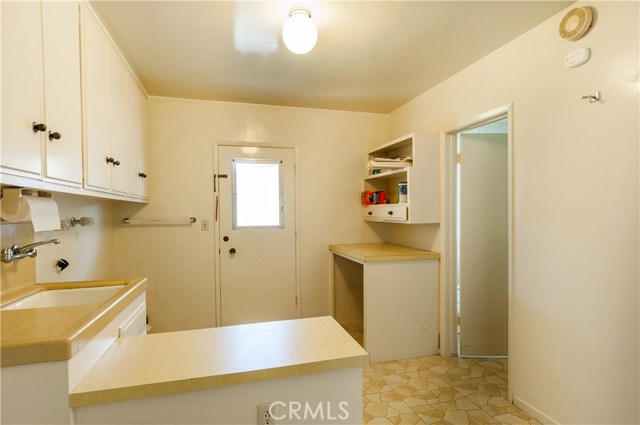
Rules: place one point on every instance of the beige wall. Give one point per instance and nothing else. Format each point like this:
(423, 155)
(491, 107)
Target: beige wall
(89, 249)
(575, 296)
(179, 261)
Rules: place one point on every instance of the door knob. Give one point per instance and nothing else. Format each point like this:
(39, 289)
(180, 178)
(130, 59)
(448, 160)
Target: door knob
(38, 127)
(232, 251)
(54, 135)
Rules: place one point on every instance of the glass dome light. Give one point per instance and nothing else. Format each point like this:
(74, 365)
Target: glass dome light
(299, 33)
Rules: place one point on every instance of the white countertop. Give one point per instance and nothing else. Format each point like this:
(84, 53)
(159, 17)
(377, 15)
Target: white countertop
(173, 362)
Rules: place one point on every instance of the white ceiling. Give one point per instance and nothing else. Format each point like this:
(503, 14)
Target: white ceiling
(371, 56)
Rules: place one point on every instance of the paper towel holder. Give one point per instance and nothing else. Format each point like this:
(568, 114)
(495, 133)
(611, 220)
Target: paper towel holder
(11, 197)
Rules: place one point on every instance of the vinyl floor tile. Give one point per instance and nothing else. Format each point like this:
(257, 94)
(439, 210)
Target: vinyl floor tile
(439, 391)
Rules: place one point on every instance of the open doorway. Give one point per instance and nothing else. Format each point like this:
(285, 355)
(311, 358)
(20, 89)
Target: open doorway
(482, 267)
(450, 240)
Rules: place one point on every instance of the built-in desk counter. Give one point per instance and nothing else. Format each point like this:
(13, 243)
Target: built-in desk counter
(373, 252)
(393, 291)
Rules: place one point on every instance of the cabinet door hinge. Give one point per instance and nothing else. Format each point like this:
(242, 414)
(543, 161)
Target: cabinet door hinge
(459, 158)
(296, 301)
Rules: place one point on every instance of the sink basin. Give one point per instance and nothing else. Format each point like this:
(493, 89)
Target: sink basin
(65, 297)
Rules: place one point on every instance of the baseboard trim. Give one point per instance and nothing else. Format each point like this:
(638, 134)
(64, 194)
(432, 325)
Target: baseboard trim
(537, 414)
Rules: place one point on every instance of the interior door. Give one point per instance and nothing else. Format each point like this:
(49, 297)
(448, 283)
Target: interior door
(483, 244)
(256, 214)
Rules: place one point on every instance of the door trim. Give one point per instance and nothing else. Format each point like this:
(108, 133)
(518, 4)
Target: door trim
(448, 332)
(216, 225)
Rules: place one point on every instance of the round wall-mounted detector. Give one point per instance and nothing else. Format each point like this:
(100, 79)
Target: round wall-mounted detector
(576, 23)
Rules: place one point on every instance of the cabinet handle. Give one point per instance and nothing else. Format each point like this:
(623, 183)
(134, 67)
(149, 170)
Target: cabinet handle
(116, 163)
(390, 212)
(38, 127)
(232, 251)
(110, 160)
(54, 135)
(370, 213)
(142, 175)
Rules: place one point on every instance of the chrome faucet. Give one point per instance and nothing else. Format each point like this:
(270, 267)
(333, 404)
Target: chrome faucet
(31, 250)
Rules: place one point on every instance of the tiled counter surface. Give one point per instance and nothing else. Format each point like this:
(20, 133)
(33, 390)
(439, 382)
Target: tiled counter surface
(176, 362)
(57, 333)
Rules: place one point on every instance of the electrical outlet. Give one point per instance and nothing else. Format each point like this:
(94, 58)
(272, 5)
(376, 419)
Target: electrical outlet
(204, 225)
(264, 415)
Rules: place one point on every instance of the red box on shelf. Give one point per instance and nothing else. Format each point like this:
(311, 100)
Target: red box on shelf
(367, 198)
(371, 198)
(382, 198)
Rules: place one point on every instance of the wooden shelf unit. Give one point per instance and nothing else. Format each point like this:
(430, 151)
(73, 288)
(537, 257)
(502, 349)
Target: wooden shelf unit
(422, 177)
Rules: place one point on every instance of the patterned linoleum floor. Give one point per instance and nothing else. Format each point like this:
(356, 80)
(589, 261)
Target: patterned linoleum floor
(438, 390)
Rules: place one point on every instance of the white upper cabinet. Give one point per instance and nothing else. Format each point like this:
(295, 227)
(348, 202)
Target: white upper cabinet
(72, 110)
(41, 86)
(63, 114)
(411, 162)
(22, 96)
(118, 114)
(109, 124)
(136, 132)
(95, 58)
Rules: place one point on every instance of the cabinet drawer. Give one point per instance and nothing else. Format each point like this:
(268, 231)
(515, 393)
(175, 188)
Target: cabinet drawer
(385, 212)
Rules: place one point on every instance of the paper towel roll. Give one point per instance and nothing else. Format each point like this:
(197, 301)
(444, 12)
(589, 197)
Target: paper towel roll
(42, 212)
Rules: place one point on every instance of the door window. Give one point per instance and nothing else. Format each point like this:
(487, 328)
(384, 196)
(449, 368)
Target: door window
(257, 194)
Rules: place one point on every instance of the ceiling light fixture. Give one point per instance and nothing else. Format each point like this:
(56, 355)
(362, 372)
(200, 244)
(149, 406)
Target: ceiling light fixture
(299, 33)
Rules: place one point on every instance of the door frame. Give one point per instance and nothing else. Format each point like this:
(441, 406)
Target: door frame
(216, 222)
(448, 331)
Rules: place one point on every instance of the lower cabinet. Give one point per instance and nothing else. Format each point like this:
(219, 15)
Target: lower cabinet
(392, 292)
(38, 393)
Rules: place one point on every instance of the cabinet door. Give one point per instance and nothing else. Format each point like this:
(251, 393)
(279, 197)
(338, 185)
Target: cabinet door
(21, 87)
(136, 142)
(96, 101)
(118, 113)
(61, 42)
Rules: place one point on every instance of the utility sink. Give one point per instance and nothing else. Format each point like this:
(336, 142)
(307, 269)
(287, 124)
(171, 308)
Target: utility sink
(65, 297)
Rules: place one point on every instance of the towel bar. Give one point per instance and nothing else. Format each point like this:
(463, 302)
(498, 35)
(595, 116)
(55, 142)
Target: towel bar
(189, 221)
